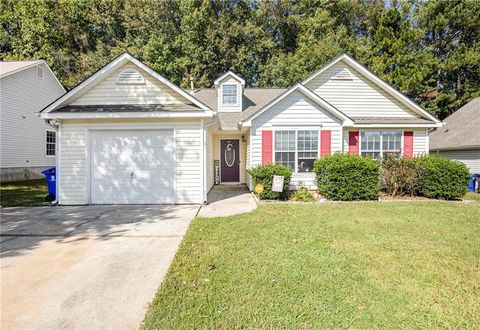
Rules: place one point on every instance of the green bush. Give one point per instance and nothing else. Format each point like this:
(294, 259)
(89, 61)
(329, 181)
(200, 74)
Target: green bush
(401, 176)
(263, 174)
(442, 177)
(302, 194)
(347, 177)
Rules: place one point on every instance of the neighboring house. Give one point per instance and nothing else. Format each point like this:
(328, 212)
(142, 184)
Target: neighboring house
(460, 137)
(27, 143)
(128, 135)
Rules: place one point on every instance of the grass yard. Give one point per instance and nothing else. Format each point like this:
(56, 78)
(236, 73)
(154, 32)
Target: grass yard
(23, 193)
(335, 265)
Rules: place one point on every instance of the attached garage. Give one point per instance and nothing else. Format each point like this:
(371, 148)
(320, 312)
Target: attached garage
(127, 135)
(132, 167)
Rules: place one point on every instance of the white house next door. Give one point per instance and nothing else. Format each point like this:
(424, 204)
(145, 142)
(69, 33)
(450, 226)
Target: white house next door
(132, 167)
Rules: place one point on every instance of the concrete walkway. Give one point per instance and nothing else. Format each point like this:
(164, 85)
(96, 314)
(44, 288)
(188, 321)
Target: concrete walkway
(227, 200)
(87, 267)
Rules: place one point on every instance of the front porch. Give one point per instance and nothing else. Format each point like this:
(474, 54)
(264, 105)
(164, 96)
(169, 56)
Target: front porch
(225, 200)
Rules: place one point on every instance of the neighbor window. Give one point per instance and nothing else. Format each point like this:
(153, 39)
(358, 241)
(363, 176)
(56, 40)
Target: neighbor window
(50, 143)
(296, 149)
(376, 144)
(229, 94)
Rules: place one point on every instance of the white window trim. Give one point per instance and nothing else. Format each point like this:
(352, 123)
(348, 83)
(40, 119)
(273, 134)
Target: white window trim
(236, 95)
(360, 150)
(46, 143)
(296, 145)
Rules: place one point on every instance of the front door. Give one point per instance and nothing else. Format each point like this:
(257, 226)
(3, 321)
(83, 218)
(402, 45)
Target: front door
(229, 161)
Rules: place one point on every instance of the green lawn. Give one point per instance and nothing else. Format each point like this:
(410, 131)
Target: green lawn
(23, 193)
(334, 265)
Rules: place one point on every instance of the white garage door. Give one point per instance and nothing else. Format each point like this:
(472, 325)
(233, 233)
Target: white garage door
(133, 167)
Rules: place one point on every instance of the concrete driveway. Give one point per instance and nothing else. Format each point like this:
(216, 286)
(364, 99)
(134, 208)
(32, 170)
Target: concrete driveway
(85, 267)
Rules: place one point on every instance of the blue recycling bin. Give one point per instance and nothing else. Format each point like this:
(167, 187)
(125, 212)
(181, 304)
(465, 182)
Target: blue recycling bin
(51, 182)
(473, 185)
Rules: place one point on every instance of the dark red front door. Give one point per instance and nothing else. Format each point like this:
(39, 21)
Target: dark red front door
(229, 161)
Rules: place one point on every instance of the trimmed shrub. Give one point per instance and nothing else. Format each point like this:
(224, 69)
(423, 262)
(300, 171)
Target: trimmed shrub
(302, 194)
(347, 177)
(401, 176)
(442, 177)
(263, 174)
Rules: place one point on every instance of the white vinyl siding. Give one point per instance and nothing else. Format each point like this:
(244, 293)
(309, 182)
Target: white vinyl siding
(297, 112)
(210, 168)
(420, 138)
(22, 132)
(108, 91)
(358, 96)
(75, 163)
(471, 158)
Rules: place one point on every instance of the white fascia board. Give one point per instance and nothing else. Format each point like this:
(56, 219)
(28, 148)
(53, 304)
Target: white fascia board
(113, 65)
(22, 68)
(379, 82)
(314, 97)
(229, 73)
(433, 125)
(107, 115)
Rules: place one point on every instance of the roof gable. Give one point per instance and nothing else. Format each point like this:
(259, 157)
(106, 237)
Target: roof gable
(111, 72)
(308, 93)
(365, 88)
(231, 75)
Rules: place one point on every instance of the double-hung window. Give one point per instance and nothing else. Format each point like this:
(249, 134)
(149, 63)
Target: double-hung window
(50, 143)
(376, 144)
(297, 149)
(229, 94)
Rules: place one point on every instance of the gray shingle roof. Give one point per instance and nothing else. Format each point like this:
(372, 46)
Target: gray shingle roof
(253, 100)
(462, 129)
(127, 108)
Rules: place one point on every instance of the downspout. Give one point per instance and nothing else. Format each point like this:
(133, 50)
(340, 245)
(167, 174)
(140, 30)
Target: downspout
(56, 124)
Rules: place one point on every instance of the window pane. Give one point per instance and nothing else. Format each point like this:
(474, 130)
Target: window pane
(307, 141)
(370, 141)
(229, 95)
(305, 165)
(284, 140)
(391, 141)
(375, 154)
(50, 143)
(285, 159)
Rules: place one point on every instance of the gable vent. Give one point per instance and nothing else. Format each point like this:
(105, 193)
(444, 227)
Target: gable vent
(341, 74)
(130, 77)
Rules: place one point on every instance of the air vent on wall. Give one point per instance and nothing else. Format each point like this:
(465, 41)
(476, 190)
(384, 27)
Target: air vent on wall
(130, 77)
(341, 74)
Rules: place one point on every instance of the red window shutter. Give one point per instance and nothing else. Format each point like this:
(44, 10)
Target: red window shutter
(266, 147)
(325, 143)
(408, 143)
(353, 138)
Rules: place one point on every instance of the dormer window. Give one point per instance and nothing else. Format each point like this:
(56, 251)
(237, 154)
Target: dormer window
(229, 94)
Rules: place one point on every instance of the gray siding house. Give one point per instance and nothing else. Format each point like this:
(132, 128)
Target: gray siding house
(459, 138)
(27, 143)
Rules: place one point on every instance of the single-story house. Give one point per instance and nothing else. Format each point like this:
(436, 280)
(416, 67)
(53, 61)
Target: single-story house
(128, 135)
(27, 143)
(460, 137)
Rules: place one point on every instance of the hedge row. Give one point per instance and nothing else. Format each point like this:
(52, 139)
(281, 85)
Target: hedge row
(351, 177)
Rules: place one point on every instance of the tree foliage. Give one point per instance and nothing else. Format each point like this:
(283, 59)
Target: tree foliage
(429, 50)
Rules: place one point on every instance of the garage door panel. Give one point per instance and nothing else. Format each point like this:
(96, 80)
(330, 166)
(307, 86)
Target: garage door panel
(133, 167)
